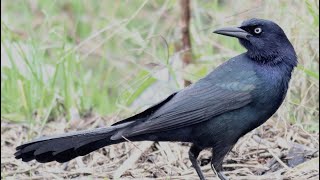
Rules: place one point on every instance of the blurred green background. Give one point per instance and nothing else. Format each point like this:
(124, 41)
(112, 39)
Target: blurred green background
(75, 57)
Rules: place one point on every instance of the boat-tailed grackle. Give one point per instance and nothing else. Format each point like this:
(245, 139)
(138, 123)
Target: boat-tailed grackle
(214, 112)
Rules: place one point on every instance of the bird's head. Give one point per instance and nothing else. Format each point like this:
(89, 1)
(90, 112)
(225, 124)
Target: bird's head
(265, 41)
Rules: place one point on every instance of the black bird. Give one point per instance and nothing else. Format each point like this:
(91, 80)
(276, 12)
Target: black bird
(214, 112)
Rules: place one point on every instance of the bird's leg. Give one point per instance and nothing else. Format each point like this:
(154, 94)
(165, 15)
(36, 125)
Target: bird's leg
(217, 169)
(193, 154)
(217, 159)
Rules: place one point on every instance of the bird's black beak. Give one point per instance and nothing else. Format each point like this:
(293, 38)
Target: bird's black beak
(233, 32)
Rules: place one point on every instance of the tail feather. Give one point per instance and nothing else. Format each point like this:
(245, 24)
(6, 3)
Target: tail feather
(68, 146)
(44, 157)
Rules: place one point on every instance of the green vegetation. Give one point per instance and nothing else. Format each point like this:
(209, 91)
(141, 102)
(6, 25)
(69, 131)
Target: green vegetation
(58, 57)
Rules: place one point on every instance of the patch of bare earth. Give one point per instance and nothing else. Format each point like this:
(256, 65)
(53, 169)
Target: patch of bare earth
(274, 151)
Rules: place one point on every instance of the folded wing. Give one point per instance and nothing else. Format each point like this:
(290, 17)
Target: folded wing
(195, 104)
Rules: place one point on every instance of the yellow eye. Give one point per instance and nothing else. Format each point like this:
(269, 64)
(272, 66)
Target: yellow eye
(257, 30)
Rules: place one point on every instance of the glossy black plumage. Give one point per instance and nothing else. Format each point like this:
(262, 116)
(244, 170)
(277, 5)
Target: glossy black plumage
(214, 112)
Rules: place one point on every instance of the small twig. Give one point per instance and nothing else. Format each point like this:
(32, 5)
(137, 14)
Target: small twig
(133, 158)
(279, 160)
(245, 166)
(267, 143)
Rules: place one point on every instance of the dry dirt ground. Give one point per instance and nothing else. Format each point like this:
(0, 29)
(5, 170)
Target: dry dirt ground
(276, 150)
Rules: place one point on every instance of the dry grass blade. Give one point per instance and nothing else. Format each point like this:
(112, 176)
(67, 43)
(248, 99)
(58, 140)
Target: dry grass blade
(130, 162)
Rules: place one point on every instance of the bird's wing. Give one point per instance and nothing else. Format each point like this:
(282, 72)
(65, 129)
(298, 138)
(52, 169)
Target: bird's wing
(147, 113)
(197, 103)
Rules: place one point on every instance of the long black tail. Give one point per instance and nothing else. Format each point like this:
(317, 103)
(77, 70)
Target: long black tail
(68, 146)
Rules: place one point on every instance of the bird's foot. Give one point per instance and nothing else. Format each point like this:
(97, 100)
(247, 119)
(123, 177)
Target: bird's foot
(222, 176)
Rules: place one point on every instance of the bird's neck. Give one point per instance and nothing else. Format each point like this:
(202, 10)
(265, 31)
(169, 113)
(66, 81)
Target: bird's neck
(286, 59)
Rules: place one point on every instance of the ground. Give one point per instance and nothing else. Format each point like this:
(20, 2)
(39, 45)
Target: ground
(274, 151)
